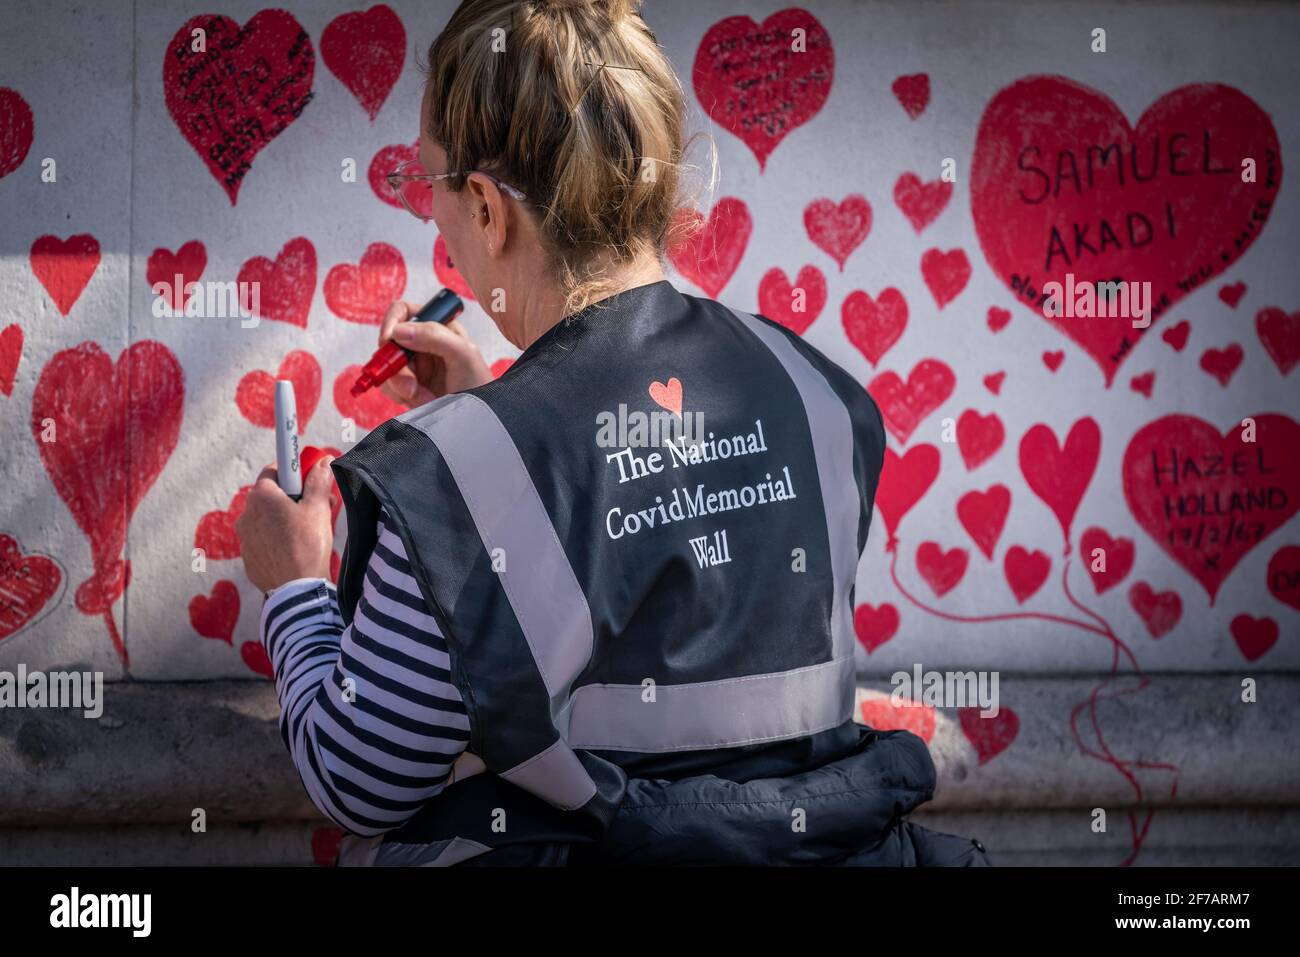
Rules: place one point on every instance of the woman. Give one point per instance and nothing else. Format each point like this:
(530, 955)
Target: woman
(598, 610)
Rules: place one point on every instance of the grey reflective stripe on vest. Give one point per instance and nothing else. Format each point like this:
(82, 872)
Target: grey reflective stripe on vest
(437, 854)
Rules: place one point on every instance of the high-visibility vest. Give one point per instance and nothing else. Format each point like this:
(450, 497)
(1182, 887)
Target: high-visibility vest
(641, 544)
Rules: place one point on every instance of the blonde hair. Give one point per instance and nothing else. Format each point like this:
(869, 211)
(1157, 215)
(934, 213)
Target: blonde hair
(575, 103)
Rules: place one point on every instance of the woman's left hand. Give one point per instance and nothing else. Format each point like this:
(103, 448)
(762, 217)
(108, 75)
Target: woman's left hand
(280, 539)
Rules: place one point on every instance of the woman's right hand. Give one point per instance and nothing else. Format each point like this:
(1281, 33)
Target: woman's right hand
(446, 360)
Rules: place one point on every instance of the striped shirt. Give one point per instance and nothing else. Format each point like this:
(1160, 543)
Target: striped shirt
(372, 751)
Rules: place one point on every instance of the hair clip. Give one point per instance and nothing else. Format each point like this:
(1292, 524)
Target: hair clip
(599, 67)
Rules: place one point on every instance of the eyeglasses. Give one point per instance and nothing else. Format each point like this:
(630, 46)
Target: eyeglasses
(413, 187)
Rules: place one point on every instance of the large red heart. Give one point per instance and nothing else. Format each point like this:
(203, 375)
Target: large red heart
(1026, 571)
(255, 394)
(875, 626)
(240, 90)
(386, 161)
(793, 306)
(64, 266)
(989, 736)
(942, 571)
(366, 51)
(176, 271)
(919, 201)
(367, 410)
(216, 533)
(903, 480)
(1207, 499)
(978, 437)
(114, 428)
(1060, 475)
(904, 405)
(216, 616)
(15, 130)
(1060, 183)
(984, 515)
(711, 249)
(363, 293)
(874, 325)
(1116, 558)
(11, 352)
(1280, 335)
(838, 228)
(761, 81)
(27, 583)
(285, 287)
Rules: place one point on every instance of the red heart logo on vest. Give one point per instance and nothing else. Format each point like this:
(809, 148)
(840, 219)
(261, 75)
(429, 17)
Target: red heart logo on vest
(904, 405)
(760, 82)
(11, 353)
(978, 437)
(363, 293)
(1208, 498)
(366, 51)
(946, 273)
(984, 515)
(903, 481)
(15, 130)
(27, 583)
(794, 307)
(216, 533)
(1060, 475)
(989, 736)
(919, 201)
(216, 616)
(255, 395)
(239, 90)
(64, 266)
(1116, 558)
(1280, 335)
(838, 229)
(1025, 571)
(1254, 636)
(708, 251)
(912, 92)
(286, 286)
(164, 266)
(1159, 611)
(941, 570)
(875, 626)
(874, 325)
(1048, 198)
(668, 396)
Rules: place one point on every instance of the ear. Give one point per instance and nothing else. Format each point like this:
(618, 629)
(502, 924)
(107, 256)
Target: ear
(489, 211)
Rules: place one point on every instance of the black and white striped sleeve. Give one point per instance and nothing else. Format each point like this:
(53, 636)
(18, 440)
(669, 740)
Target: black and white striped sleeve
(368, 711)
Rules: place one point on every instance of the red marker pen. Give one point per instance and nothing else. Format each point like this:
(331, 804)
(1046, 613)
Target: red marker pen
(390, 357)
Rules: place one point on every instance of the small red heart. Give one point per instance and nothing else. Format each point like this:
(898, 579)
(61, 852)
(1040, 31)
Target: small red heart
(64, 266)
(838, 229)
(164, 267)
(215, 533)
(1116, 557)
(364, 292)
(884, 715)
(994, 382)
(1232, 293)
(912, 92)
(1284, 576)
(365, 50)
(1159, 611)
(1280, 335)
(255, 395)
(370, 408)
(1143, 383)
(500, 366)
(386, 161)
(286, 286)
(919, 201)
(1053, 360)
(989, 736)
(998, 318)
(446, 271)
(668, 396)
(793, 306)
(874, 325)
(904, 405)
(978, 437)
(325, 843)
(1176, 335)
(941, 570)
(255, 657)
(1025, 571)
(984, 515)
(709, 250)
(946, 273)
(875, 626)
(216, 616)
(11, 352)
(15, 130)
(1222, 363)
(27, 583)
(1254, 636)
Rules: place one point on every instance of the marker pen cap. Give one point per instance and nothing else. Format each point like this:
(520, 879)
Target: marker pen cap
(286, 439)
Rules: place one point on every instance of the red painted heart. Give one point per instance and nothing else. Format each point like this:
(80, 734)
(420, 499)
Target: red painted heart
(707, 251)
(1222, 363)
(64, 266)
(255, 657)
(903, 480)
(286, 286)
(386, 161)
(1025, 571)
(941, 570)
(1176, 335)
(11, 353)
(1208, 498)
(1280, 336)
(15, 130)
(904, 405)
(762, 81)
(216, 616)
(27, 585)
(363, 293)
(998, 318)
(367, 410)
(919, 201)
(255, 395)
(446, 272)
(875, 626)
(237, 90)
(912, 92)
(794, 307)
(874, 325)
(1053, 360)
(984, 515)
(175, 271)
(1143, 383)
(1284, 576)
(838, 229)
(1231, 294)
(1254, 636)
(1159, 611)
(946, 273)
(1108, 560)
(989, 736)
(1060, 183)
(978, 437)
(1060, 475)
(994, 382)
(884, 715)
(216, 533)
(366, 50)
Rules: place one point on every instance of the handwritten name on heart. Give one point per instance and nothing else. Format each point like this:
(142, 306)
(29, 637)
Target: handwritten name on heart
(1208, 498)
(1061, 183)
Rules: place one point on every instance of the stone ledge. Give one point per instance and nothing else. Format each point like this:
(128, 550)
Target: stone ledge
(160, 750)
